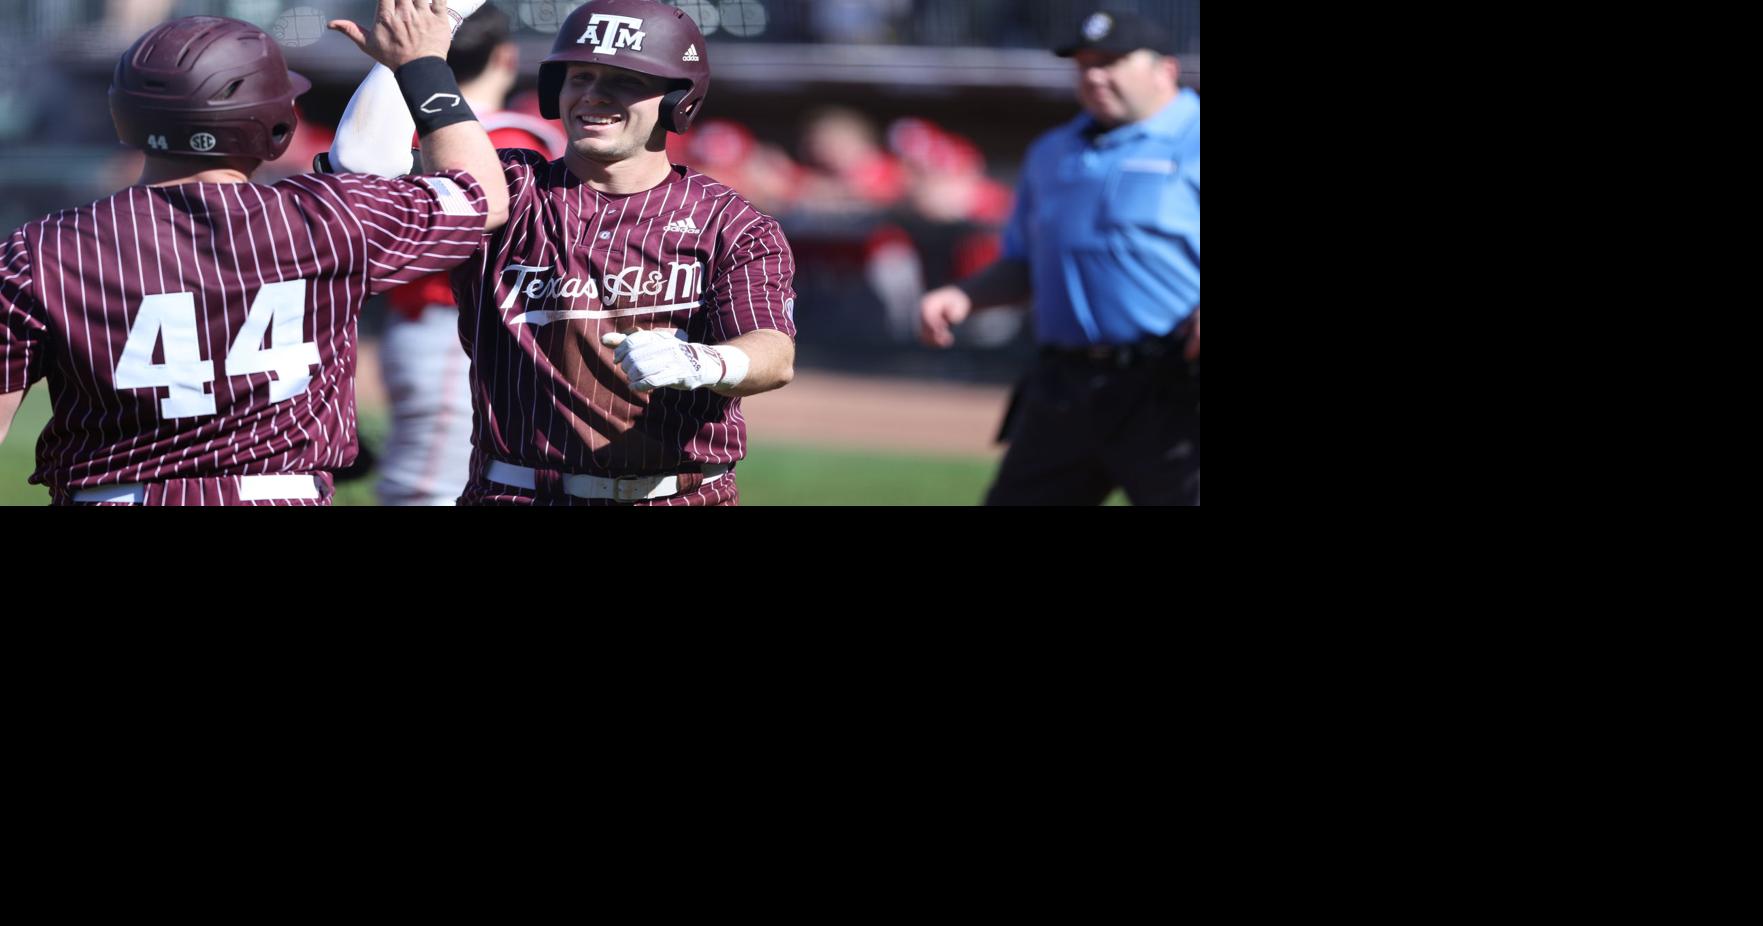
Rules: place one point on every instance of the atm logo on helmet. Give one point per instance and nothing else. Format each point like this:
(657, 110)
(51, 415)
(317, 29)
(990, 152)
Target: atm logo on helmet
(620, 32)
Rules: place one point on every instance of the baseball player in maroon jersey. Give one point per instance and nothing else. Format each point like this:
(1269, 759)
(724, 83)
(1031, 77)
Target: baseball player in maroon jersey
(614, 323)
(198, 330)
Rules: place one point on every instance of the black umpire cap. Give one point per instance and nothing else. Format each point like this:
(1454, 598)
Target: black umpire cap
(1118, 34)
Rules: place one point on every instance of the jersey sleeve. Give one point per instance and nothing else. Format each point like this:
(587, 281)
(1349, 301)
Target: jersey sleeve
(24, 326)
(753, 284)
(412, 226)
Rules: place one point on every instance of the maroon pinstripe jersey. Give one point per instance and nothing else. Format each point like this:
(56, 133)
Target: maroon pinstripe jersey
(209, 329)
(689, 255)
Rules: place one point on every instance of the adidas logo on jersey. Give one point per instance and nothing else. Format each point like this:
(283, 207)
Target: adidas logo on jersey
(683, 225)
(691, 53)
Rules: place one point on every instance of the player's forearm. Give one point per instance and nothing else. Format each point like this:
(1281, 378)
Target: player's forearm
(773, 362)
(374, 133)
(1005, 282)
(410, 90)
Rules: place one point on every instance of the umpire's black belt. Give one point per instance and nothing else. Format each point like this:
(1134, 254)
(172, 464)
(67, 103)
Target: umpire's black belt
(1150, 350)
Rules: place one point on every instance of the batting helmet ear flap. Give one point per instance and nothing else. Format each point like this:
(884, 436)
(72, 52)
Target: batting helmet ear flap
(672, 119)
(550, 86)
(284, 130)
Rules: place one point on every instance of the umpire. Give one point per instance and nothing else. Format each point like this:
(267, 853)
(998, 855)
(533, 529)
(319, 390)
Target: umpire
(1105, 237)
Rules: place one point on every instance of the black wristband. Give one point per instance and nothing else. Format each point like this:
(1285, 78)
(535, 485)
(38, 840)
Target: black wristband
(432, 94)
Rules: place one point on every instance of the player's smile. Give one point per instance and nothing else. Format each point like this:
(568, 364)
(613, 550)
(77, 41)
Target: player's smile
(611, 111)
(593, 124)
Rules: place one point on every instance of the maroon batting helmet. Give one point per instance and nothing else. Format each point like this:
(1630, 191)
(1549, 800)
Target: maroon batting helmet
(637, 35)
(206, 85)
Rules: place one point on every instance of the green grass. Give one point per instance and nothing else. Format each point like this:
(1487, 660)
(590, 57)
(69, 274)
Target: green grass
(783, 474)
(18, 456)
(774, 474)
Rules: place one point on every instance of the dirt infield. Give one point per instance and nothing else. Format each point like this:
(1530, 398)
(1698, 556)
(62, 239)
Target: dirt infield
(875, 413)
(835, 410)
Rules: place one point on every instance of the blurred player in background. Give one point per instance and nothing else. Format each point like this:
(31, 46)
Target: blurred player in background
(427, 456)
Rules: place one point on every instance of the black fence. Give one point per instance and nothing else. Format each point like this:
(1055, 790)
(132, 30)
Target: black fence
(973, 23)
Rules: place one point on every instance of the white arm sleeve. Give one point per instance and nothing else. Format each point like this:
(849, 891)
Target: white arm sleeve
(374, 136)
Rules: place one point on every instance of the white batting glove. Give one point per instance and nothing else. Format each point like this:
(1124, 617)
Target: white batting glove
(656, 359)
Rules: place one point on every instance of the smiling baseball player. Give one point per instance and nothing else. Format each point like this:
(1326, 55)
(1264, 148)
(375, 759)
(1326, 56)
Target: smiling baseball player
(614, 323)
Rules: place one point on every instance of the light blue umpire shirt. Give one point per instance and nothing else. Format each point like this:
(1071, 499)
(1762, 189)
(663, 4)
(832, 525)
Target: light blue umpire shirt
(1110, 227)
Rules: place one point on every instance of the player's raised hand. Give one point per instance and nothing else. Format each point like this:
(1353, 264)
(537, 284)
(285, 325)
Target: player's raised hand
(403, 31)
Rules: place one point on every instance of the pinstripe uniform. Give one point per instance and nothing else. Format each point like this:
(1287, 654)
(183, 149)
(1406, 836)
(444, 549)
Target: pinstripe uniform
(426, 458)
(198, 333)
(573, 263)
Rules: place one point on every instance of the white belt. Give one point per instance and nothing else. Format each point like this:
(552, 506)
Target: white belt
(620, 488)
(251, 489)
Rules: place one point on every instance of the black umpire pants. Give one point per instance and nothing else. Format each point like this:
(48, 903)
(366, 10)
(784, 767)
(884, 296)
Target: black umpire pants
(1082, 423)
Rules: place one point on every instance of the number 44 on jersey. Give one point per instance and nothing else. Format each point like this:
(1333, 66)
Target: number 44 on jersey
(279, 309)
